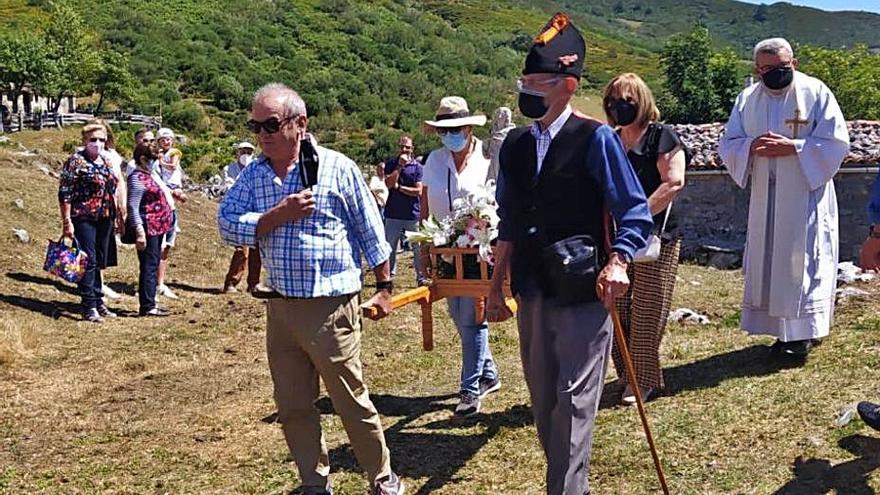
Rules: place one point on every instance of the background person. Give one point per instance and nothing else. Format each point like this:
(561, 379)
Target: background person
(171, 173)
(658, 157)
(150, 215)
(403, 178)
(87, 201)
(243, 257)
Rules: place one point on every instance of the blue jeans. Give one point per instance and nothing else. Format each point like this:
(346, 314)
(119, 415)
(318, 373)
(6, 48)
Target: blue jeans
(394, 229)
(92, 237)
(149, 272)
(476, 357)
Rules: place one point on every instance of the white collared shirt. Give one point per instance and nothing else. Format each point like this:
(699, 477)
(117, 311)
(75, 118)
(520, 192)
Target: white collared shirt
(543, 138)
(445, 184)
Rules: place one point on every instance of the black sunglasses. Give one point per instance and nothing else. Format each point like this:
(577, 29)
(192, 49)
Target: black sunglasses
(270, 125)
(97, 139)
(449, 130)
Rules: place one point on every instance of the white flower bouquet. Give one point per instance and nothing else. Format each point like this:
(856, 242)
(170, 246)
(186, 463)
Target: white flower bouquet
(473, 223)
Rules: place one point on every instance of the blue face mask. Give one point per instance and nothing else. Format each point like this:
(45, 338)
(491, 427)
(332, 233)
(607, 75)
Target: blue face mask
(455, 142)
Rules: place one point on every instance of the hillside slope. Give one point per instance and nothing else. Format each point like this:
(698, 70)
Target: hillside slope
(730, 22)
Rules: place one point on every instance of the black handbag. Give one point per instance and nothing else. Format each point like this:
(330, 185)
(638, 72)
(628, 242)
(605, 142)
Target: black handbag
(571, 268)
(129, 235)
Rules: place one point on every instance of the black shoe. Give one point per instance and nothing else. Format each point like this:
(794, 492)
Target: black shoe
(105, 312)
(157, 311)
(489, 386)
(776, 348)
(870, 414)
(798, 348)
(311, 490)
(93, 316)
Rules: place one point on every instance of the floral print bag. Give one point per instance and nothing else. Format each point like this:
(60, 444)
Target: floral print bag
(67, 262)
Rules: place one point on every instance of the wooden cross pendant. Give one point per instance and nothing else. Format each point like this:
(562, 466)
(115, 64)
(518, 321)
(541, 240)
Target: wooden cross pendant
(796, 122)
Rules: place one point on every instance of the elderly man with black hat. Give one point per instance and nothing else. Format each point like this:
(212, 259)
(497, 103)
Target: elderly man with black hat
(562, 180)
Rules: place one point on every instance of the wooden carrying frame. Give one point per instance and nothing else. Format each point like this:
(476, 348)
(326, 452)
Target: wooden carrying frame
(440, 288)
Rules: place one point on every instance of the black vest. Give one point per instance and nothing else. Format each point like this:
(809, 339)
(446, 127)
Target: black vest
(562, 201)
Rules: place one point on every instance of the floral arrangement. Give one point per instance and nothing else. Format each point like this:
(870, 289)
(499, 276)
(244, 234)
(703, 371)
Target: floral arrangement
(472, 224)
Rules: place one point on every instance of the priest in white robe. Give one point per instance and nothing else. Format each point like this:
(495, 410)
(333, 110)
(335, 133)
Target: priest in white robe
(786, 139)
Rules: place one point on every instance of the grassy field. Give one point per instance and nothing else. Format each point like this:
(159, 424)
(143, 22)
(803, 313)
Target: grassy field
(180, 405)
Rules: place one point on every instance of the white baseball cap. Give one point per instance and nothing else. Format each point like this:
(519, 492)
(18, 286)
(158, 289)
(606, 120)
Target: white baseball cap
(245, 144)
(164, 133)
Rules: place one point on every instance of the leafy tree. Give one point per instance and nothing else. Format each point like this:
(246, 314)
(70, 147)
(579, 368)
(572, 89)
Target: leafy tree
(228, 93)
(114, 81)
(187, 115)
(74, 51)
(24, 63)
(701, 84)
(852, 75)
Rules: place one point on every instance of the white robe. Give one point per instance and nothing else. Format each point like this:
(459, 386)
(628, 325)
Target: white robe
(792, 248)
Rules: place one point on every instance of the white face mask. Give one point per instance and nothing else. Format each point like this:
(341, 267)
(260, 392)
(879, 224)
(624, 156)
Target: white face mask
(245, 159)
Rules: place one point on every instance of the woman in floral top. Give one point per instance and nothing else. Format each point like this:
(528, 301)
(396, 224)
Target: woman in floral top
(86, 195)
(151, 216)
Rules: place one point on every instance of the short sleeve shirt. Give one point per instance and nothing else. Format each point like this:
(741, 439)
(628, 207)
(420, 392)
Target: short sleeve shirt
(401, 206)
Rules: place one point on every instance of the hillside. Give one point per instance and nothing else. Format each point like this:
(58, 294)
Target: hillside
(370, 70)
(648, 22)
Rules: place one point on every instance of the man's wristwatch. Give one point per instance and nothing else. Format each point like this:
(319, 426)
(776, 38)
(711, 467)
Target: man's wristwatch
(387, 285)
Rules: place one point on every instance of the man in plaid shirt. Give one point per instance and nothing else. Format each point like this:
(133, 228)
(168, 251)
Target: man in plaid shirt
(312, 229)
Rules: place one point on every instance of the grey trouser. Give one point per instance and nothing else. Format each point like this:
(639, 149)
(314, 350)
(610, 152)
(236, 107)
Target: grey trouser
(565, 352)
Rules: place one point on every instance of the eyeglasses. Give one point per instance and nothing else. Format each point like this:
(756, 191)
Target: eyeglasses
(767, 68)
(97, 139)
(270, 125)
(449, 130)
(537, 87)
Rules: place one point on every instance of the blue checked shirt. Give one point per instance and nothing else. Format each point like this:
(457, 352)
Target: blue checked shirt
(319, 255)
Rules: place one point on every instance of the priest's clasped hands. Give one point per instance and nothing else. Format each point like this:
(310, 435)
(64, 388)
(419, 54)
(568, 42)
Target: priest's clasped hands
(772, 145)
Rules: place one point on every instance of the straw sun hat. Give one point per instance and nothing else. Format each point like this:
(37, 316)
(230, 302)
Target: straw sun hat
(454, 112)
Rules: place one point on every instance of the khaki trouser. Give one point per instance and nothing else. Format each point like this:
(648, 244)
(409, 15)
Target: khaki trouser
(308, 338)
(244, 256)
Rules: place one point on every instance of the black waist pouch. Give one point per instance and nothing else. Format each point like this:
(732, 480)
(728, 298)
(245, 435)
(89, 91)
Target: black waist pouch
(570, 269)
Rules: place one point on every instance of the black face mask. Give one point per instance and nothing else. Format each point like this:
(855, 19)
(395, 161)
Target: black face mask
(623, 112)
(532, 106)
(778, 78)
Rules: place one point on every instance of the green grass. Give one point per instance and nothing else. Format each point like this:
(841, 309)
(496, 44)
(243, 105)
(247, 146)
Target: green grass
(175, 405)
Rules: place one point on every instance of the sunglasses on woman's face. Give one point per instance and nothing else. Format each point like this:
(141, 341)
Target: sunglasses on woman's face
(97, 139)
(270, 125)
(449, 130)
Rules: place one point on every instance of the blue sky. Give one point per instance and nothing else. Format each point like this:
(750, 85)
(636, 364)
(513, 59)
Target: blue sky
(869, 5)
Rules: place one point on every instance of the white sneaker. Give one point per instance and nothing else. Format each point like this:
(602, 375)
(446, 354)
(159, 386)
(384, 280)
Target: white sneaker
(629, 397)
(164, 291)
(110, 293)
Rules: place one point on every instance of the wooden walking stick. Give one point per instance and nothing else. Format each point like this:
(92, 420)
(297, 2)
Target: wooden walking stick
(631, 376)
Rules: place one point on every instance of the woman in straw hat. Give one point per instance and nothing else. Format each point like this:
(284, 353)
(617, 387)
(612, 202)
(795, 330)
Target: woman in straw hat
(457, 170)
